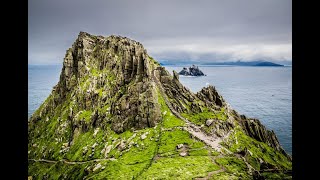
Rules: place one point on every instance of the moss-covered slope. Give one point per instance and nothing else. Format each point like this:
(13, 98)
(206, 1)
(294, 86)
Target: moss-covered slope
(117, 114)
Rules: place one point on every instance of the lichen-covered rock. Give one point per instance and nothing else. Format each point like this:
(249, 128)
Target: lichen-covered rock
(209, 122)
(183, 154)
(143, 136)
(210, 96)
(179, 146)
(98, 166)
(121, 146)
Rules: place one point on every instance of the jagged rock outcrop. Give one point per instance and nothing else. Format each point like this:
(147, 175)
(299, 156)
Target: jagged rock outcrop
(210, 96)
(191, 71)
(179, 95)
(256, 130)
(115, 108)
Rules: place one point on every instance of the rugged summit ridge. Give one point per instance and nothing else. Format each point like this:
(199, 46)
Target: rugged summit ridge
(98, 62)
(114, 104)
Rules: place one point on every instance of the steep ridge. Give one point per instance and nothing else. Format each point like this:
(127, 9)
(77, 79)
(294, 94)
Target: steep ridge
(117, 114)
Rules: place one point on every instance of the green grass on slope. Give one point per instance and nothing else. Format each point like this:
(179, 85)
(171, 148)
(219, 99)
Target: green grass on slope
(238, 141)
(170, 139)
(169, 120)
(128, 163)
(224, 176)
(234, 165)
(40, 170)
(86, 141)
(143, 150)
(200, 118)
(117, 170)
(85, 115)
(268, 175)
(49, 134)
(180, 168)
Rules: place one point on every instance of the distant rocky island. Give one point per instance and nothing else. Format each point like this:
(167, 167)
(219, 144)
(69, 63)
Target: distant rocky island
(191, 71)
(245, 63)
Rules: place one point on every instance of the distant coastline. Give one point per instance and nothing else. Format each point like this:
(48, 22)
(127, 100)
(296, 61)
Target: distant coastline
(243, 63)
(233, 63)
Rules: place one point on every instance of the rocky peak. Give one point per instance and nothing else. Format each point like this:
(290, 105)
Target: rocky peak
(89, 52)
(116, 65)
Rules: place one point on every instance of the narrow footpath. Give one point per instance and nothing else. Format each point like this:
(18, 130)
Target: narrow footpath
(192, 128)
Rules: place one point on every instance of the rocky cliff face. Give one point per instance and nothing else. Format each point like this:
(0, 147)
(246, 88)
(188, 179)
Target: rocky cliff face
(112, 74)
(115, 108)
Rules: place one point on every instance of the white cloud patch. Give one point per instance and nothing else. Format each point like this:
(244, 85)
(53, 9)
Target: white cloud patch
(218, 51)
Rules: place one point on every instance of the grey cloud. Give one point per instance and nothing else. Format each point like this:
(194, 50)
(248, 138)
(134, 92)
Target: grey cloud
(166, 28)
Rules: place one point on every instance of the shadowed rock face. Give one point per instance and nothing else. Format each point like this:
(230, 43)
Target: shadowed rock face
(112, 83)
(210, 96)
(118, 68)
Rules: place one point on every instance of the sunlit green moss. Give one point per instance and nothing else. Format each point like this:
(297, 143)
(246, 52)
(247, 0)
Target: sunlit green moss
(234, 165)
(180, 168)
(96, 72)
(200, 118)
(100, 92)
(117, 170)
(57, 170)
(274, 176)
(198, 152)
(224, 176)
(169, 120)
(238, 141)
(214, 153)
(85, 115)
(142, 149)
(170, 139)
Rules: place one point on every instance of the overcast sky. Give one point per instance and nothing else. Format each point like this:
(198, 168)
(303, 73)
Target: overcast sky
(203, 30)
